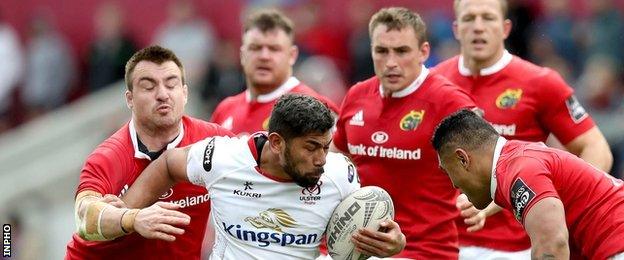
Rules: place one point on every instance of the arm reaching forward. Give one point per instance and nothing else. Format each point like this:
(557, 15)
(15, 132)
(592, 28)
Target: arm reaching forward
(157, 178)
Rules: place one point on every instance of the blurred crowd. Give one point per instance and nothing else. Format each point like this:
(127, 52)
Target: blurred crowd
(43, 68)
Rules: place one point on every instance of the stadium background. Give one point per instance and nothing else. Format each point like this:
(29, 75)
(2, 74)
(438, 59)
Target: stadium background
(62, 62)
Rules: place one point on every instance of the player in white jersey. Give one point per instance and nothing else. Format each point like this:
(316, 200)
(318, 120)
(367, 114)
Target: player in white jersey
(272, 194)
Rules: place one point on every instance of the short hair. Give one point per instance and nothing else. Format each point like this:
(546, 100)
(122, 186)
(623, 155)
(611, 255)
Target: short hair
(503, 5)
(155, 54)
(296, 115)
(269, 19)
(397, 18)
(463, 129)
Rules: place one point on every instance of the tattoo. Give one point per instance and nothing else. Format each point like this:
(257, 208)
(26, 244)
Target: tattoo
(544, 256)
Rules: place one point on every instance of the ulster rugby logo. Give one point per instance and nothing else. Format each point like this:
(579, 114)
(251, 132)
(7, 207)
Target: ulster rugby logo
(509, 98)
(411, 121)
(272, 218)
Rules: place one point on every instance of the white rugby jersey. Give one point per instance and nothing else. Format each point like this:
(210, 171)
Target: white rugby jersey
(257, 216)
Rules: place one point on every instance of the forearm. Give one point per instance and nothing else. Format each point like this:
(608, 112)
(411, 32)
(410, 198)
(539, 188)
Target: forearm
(153, 181)
(97, 220)
(598, 155)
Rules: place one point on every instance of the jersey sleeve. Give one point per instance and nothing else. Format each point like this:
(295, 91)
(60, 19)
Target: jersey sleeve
(561, 112)
(206, 160)
(344, 175)
(530, 182)
(103, 172)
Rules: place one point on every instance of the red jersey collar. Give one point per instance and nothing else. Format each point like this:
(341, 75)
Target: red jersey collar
(424, 72)
(135, 144)
(498, 66)
(291, 83)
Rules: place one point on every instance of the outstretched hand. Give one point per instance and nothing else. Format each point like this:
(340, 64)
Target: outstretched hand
(387, 242)
(473, 217)
(161, 221)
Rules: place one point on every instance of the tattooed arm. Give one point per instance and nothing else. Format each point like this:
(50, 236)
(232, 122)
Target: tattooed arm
(546, 226)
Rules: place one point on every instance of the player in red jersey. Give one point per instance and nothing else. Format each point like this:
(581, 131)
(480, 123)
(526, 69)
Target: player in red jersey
(522, 101)
(157, 94)
(567, 206)
(386, 123)
(267, 55)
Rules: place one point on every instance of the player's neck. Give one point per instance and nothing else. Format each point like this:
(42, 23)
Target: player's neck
(269, 163)
(257, 89)
(475, 65)
(157, 139)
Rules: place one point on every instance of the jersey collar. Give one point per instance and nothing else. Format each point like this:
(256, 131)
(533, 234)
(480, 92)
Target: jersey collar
(135, 144)
(498, 66)
(497, 152)
(291, 83)
(424, 72)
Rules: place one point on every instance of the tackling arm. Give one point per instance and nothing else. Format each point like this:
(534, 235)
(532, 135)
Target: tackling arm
(100, 218)
(545, 224)
(159, 176)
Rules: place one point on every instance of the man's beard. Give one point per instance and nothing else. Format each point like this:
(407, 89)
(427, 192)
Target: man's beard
(301, 179)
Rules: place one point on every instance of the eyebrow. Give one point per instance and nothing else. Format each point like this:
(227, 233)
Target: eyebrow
(147, 78)
(172, 77)
(318, 143)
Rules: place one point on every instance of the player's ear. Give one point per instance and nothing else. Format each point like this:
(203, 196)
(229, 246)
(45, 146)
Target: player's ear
(463, 158)
(276, 143)
(128, 95)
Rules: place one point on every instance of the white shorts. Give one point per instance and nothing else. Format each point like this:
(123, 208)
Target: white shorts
(482, 253)
(619, 256)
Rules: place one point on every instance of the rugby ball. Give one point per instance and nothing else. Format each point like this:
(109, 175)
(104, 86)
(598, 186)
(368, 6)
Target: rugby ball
(366, 207)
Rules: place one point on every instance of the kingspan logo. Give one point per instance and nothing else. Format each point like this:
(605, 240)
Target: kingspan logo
(275, 220)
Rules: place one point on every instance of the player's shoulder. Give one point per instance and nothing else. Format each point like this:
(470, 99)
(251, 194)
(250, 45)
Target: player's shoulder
(201, 128)
(302, 88)
(366, 87)
(117, 148)
(339, 167)
(305, 89)
(447, 67)
(529, 71)
(440, 86)
(229, 102)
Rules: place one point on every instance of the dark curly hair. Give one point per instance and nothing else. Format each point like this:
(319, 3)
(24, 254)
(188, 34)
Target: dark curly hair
(296, 115)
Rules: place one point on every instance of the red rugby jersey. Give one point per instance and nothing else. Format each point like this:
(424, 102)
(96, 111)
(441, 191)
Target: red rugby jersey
(113, 166)
(244, 116)
(525, 102)
(593, 200)
(389, 140)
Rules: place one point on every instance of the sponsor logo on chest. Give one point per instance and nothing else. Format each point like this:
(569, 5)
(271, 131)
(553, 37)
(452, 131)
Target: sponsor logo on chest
(270, 227)
(381, 151)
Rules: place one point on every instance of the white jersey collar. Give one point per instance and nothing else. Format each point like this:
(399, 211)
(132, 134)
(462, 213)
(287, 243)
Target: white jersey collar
(424, 72)
(135, 143)
(498, 66)
(291, 83)
(497, 152)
